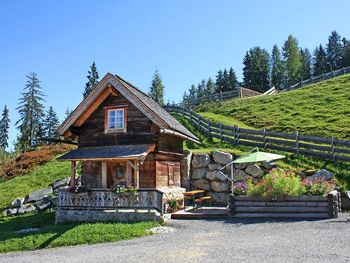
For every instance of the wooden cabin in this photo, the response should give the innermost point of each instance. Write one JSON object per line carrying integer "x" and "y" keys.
{"x": 124, "y": 139}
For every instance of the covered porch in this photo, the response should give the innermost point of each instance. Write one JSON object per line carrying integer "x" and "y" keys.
{"x": 110, "y": 181}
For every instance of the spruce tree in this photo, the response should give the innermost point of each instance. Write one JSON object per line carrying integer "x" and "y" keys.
{"x": 256, "y": 69}
{"x": 157, "y": 89}
{"x": 92, "y": 80}
{"x": 67, "y": 113}
{"x": 201, "y": 90}
{"x": 31, "y": 112}
{"x": 4, "y": 129}
{"x": 225, "y": 81}
{"x": 232, "y": 79}
{"x": 305, "y": 64}
{"x": 51, "y": 123}
{"x": 320, "y": 61}
{"x": 277, "y": 68}
{"x": 185, "y": 99}
{"x": 292, "y": 61}
{"x": 220, "y": 82}
{"x": 209, "y": 87}
{"x": 192, "y": 94}
{"x": 334, "y": 50}
{"x": 346, "y": 53}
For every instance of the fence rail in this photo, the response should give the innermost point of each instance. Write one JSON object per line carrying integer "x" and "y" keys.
{"x": 322, "y": 77}
{"x": 328, "y": 148}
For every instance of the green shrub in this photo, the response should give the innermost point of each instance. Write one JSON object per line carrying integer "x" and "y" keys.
{"x": 277, "y": 184}
{"x": 318, "y": 186}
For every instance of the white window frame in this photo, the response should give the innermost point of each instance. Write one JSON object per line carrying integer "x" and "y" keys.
{"x": 108, "y": 119}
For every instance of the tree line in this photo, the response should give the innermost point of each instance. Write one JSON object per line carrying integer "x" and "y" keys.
{"x": 282, "y": 68}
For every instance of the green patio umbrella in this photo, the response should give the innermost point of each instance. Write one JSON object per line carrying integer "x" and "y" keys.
{"x": 258, "y": 156}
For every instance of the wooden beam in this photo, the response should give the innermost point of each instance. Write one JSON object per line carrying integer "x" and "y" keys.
{"x": 137, "y": 174}
{"x": 72, "y": 175}
{"x": 104, "y": 174}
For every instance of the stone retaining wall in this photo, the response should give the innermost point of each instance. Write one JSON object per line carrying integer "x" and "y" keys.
{"x": 202, "y": 171}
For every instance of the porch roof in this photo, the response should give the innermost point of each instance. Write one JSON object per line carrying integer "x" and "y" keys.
{"x": 117, "y": 152}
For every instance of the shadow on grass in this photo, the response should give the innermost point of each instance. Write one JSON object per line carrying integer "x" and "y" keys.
{"x": 44, "y": 221}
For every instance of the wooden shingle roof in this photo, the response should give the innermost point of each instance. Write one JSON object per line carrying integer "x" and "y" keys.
{"x": 139, "y": 99}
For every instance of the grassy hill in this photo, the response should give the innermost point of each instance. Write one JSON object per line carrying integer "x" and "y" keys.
{"x": 321, "y": 109}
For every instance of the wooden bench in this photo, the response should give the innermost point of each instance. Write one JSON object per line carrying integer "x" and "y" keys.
{"x": 199, "y": 201}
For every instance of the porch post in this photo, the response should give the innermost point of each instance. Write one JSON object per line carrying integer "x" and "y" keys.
{"x": 104, "y": 174}
{"x": 72, "y": 173}
{"x": 137, "y": 174}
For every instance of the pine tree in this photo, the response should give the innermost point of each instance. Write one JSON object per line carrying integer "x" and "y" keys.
{"x": 232, "y": 79}
{"x": 292, "y": 61}
{"x": 31, "y": 111}
{"x": 51, "y": 123}
{"x": 220, "y": 82}
{"x": 157, "y": 89}
{"x": 92, "y": 80}
{"x": 201, "y": 90}
{"x": 256, "y": 69}
{"x": 305, "y": 64}
{"x": 185, "y": 99}
{"x": 67, "y": 113}
{"x": 277, "y": 68}
{"x": 209, "y": 87}
{"x": 225, "y": 81}
{"x": 334, "y": 50}
{"x": 320, "y": 61}
{"x": 4, "y": 128}
{"x": 192, "y": 94}
{"x": 346, "y": 53}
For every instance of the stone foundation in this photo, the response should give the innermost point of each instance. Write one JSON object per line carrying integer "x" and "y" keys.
{"x": 121, "y": 215}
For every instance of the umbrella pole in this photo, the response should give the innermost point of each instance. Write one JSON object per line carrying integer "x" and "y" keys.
{"x": 232, "y": 178}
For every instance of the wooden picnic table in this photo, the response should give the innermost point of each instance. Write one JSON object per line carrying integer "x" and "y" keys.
{"x": 190, "y": 195}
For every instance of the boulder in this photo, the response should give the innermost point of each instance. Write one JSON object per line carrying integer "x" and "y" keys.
{"x": 219, "y": 186}
{"x": 222, "y": 157}
{"x": 185, "y": 169}
{"x": 219, "y": 198}
{"x": 199, "y": 173}
{"x": 254, "y": 170}
{"x": 26, "y": 208}
{"x": 200, "y": 160}
{"x": 213, "y": 166}
{"x": 10, "y": 212}
{"x": 201, "y": 184}
{"x": 17, "y": 202}
{"x": 43, "y": 204}
{"x": 242, "y": 166}
{"x": 60, "y": 183}
{"x": 38, "y": 195}
{"x": 239, "y": 175}
{"x": 216, "y": 176}
{"x": 327, "y": 175}
{"x": 267, "y": 165}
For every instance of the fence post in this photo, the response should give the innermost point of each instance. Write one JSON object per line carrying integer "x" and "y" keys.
{"x": 333, "y": 148}
{"x": 297, "y": 142}
{"x": 220, "y": 95}
{"x": 191, "y": 116}
{"x": 333, "y": 73}
{"x": 322, "y": 76}
{"x": 264, "y": 137}
{"x": 209, "y": 129}
{"x": 343, "y": 70}
{"x": 237, "y": 136}
{"x": 221, "y": 132}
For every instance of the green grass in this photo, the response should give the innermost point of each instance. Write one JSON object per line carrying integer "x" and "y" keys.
{"x": 321, "y": 109}
{"x": 40, "y": 177}
{"x": 227, "y": 120}
{"x": 51, "y": 235}
{"x": 293, "y": 162}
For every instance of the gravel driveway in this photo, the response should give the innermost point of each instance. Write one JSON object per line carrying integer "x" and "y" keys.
{"x": 229, "y": 240}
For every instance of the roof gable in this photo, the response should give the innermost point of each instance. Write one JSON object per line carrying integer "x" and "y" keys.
{"x": 112, "y": 84}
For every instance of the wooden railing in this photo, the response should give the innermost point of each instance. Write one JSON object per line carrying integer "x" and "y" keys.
{"x": 329, "y": 148}
{"x": 319, "y": 78}
{"x": 107, "y": 199}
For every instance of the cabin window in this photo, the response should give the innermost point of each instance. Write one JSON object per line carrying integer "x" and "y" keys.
{"x": 115, "y": 120}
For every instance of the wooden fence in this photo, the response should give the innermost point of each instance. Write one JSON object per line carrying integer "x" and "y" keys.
{"x": 319, "y": 78}
{"x": 239, "y": 92}
{"x": 328, "y": 148}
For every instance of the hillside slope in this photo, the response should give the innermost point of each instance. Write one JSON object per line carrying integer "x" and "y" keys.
{"x": 321, "y": 109}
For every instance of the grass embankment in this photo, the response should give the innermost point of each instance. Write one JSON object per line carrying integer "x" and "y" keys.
{"x": 321, "y": 109}
{"x": 293, "y": 162}
{"x": 40, "y": 177}
{"x": 51, "y": 235}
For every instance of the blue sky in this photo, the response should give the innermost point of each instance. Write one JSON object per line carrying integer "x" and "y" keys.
{"x": 185, "y": 40}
